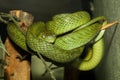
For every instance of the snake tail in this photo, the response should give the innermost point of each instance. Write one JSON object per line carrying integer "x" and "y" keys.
{"x": 92, "y": 58}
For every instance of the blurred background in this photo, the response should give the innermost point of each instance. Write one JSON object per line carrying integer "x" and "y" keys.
{"x": 43, "y": 10}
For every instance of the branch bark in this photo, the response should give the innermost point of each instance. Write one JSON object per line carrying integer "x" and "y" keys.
{"x": 18, "y": 70}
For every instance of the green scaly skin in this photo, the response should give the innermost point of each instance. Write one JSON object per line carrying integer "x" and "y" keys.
{"x": 63, "y": 46}
{"x": 47, "y": 49}
{"x": 17, "y": 36}
{"x": 94, "y": 56}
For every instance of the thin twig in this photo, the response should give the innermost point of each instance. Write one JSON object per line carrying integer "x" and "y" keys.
{"x": 16, "y": 23}
{"x": 109, "y": 25}
{"x": 10, "y": 17}
{"x": 2, "y": 20}
{"x": 49, "y": 70}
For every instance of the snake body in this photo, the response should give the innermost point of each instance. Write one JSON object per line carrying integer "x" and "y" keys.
{"x": 16, "y": 36}
{"x": 93, "y": 58}
{"x": 60, "y": 39}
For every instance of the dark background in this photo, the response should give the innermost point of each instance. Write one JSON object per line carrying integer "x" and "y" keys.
{"x": 43, "y": 9}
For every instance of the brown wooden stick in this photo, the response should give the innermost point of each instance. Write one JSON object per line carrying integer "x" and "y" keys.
{"x": 109, "y": 25}
{"x": 16, "y": 69}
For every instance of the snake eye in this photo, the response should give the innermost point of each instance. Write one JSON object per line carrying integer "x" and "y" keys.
{"x": 50, "y": 38}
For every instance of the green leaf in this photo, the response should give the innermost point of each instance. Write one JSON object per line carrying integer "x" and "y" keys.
{"x": 2, "y": 47}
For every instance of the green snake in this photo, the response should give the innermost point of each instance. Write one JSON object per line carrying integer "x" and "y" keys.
{"x": 63, "y": 39}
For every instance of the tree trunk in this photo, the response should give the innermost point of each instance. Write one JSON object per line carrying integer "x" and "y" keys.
{"x": 71, "y": 73}
{"x": 16, "y": 69}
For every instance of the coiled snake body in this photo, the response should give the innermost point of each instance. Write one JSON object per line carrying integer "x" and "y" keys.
{"x": 63, "y": 38}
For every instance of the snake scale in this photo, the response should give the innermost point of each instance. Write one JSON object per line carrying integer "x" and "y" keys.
{"x": 63, "y": 39}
